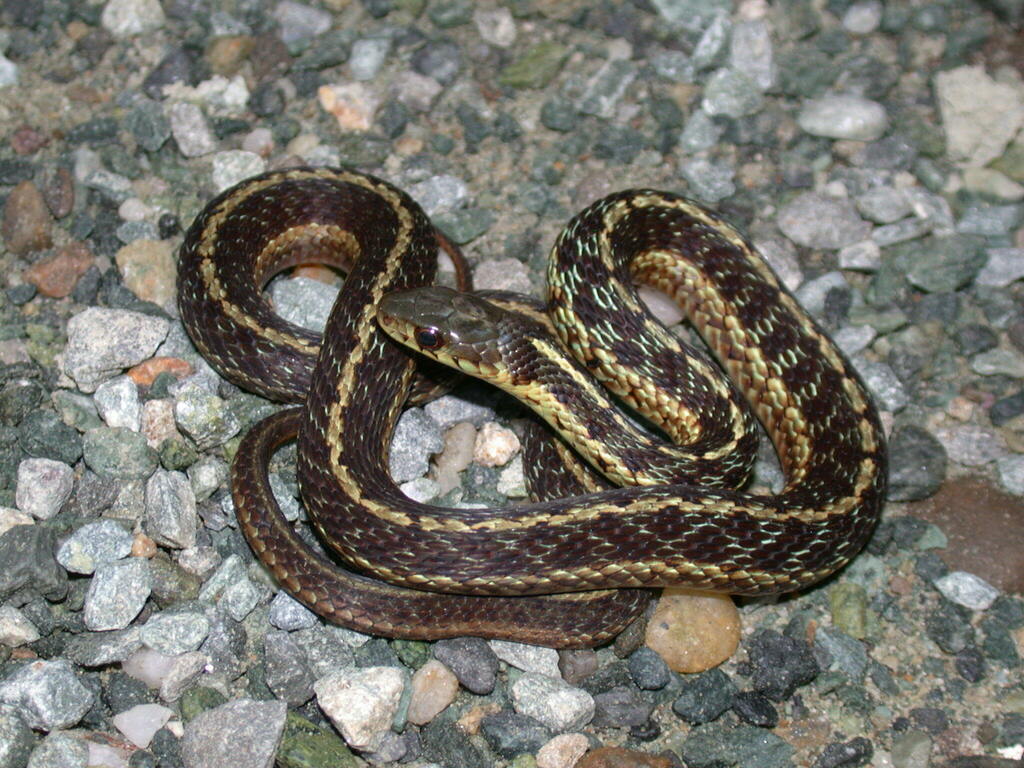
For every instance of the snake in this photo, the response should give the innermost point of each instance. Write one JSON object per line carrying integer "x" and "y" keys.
{"x": 565, "y": 572}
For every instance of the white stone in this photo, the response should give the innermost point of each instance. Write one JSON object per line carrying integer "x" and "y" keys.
{"x": 967, "y": 590}
{"x": 980, "y": 114}
{"x": 844, "y": 117}
{"x": 15, "y": 628}
{"x": 141, "y": 722}
{"x": 125, "y": 18}
{"x": 43, "y": 487}
{"x": 552, "y": 701}
{"x": 529, "y": 658}
{"x": 361, "y": 703}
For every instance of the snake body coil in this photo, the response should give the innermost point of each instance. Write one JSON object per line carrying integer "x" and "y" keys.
{"x": 813, "y": 405}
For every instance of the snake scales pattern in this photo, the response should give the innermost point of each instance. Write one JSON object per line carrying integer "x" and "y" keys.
{"x": 427, "y": 572}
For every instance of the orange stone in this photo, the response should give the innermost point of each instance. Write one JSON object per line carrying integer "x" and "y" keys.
{"x": 56, "y": 276}
{"x": 693, "y": 631}
{"x": 619, "y": 757}
{"x": 145, "y": 372}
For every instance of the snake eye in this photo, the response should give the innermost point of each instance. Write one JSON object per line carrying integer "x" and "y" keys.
{"x": 429, "y": 338}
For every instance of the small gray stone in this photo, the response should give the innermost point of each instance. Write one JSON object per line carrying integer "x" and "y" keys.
{"x": 43, "y": 487}
{"x": 300, "y": 22}
{"x": 700, "y": 132}
{"x": 117, "y": 593}
{"x": 848, "y": 654}
{"x": 971, "y": 445}
{"x": 47, "y": 694}
{"x": 231, "y": 588}
{"x": 708, "y": 180}
{"x": 190, "y": 130}
{"x": 361, "y": 703}
{"x": 27, "y": 561}
{"x": 118, "y": 454}
{"x": 648, "y": 670}
{"x": 750, "y": 52}
{"x": 731, "y": 94}
{"x": 844, "y": 117}
{"x": 171, "y": 517}
{"x": 94, "y": 544}
{"x": 16, "y": 739}
{"x": 968, "y": 590}
{"x": 98, "y": 649}
{"x": 1011, "y": 473}
{"x": 999, "y": 362}
{"x": 863, "y": 18}
{"x": 103, "y": 342}
{"x": 816, "y": 220}
{"x": 886, "y": 387}
{"x": 883, "y": 205}
{"x": 185, "y": 670}
{"x": 1003, "y": 267}
{"x": 471, "y": 660}
{"x": 202, "y": 416}
{"x": 917, "y": 463}
{"x": 812, "y": 294}
{"x": 15, "y": 628}
{"x": 206, "y": 476}
{"x": 215, "y": 738}
{"x": 175, "y": 633}
{"x": 60, "y": 750}
{"x": 304, "y": 301}
{"x": 289, "y": 614}
{"x": 607, "y": 87}
{"x": 235, "y": 165}
{"x": 711, "y": 46}
{"x": 451, "y": 409}
{"x": 901, "y": 231}
{"x": 529, "y": 658}
{"x": 417, "y": 437}
{"x": 865, "y": 256}
{"x": 288, "y": 672}
{"x": 440, "y": 194}
{"x": 368, "y": 56}
{"x": 118, "y": 403}
{"x": 127, "y": 18}
{"x": 552, "y": 701}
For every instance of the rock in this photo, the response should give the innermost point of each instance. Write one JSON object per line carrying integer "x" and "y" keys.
{"x": 529, "y": 658}
{"x": 361, "y": 703}
{"x": 43, "y": 487}
{"x": 553, "y": 702}
{"x": 240, "y": 734}
{"x": 510, "y": 733}
{"x": 563, "y": 751}
{"x": 817, "y": 220}
{"x": 619, "y": 757}
{"x": 495, "y": 445}
{"x": 693, "y": 631}
{"x": 47, "y": 694}
{"x": 175, "y": 633}
{"x": 472, "y": 662}
{"x": 171, "y": 517}
{"x": 94, "y": 544}
{"x": 917, "y": 464}
{"x": 434, "y": 687}
{"x": 102, "y": 342}
{"x": 141, "y": 722}
{"x": 704, "y": 697}
{"x": 118, "y": 404}
{"x": 980, "y": 115}
{"x": 26, "y": 220}
{"x": 844, "y": 117}
{"x": 126, "y": 18}
{"x": 60, "y": 750}
{"x": 781, "y": 664}
{"x": 26, "y": 560}
{"x": 16, "y": 739}
{"x": 148, "y": 268}
{"x": 15, "y": 628}
{"x": 56, "y": 276}
{"x": 117, "y": 593}
{"x": 967, "y": 590}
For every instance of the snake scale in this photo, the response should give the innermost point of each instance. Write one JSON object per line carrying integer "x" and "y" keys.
{"x": 561, "y": 572}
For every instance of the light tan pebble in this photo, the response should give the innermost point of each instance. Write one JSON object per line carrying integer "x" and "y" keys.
{"x": 260, "y": 141}
{"x": 495, "y": 445}
{"x": 662, "y": 305}
{"x": 10, "y": 517}
{"x": 409, "y": 145}
{"x": 456, "y": 456}
{"x": 563, "y": 751}
{"x": 434, "y": 687}
{"x": 157, "y": 423}
{"x": 469, "y": 723}
{"x": 149, "y": 270}
{"x": 693, "y": 631}
{"x": 134, "y": 209}
{"x": 352, "y": 104}
{"x": 143, "y": 546}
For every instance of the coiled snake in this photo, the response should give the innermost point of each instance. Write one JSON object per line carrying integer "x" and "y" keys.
{"x": 420, "y": 571}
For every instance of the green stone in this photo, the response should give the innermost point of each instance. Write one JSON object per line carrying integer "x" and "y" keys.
{"x": 1012, "y": 161}
{"x": 117, "y": 453}
{"x": 199, "y": 699}
{"x": 455, "y": 13}
{"x": 849, "y": 605}
{"x": 306, "y": 745}
{"x": 413, "y": 653}
{"x": 536, "y": 68}
{"x": 177, "y": 453}
{"x": 465, "y": 225}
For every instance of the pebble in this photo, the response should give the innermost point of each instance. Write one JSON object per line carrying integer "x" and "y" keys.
{"x": 472, "y": 662}
{"x": 148, "y": 268}
{"x": 175, "y": 633}
{"x": 190, "y": 130}
{"x": 621, "y": 707}
{"x": 781, "y": 664}
{"x": 94, "y": 544}
{"x": 98, "y": 649}
{"x": 510, "y": 733}
{"x": 606, "y": 88}
{"x": 693, "y": 631}
{"x": 417, "y": 436}
{"x": 60, "y": 750}
{"x": 970, "y": 445}
{"x": 751, "y": 707}
{"x": 140, "y": 723}
{"x": 202, "y": 416}
{"x": 495, "y": 26}
{"x": 704, "y": 697}
{"x": 300, "y": 22}
{"x": 843, "y": 117}
{"x": 563, "y": 751}
{"x": 127, "y": 18}
{"x": 47, "y": 694}
{"x": 999, "y": 362}
{"x": 552, "y": 701}
{"x": 231, "y": 588}
{"x": 980, "y": 115}
{"x": 56, "y": 276}
{"x": 288, "y": 672}
{"x": 863, "y": 18}
{"x": 304, "y": 301}
{"x": 146, "y": 372}
{"x": 368, "y": 56}
{"x": 967, "y": 590}
{"x": 730, "y": 93}
{"x": 816, "y": 220}
{"x": 118, "y": 454}
{"x": 212, "y": 738}
{"x": 865, "y": 256}
{"x": 15, "y": 628}
{"x": 529, "y": 658}
{"x": 102, "y": 342}
{"x": 911, "y": 749}
{"x": 1011, "y": 473}
{"x": 230, "y": 167}
{"x": 289, "y": 614}
{"x": 1002, "y": 267}
{"x": 26, "y": 222}
{"x": 352, "y": 104}
{"x": 619, "y": 757}
{"x": 451, "y": 409}
{"x": 746, "y": 745}
{"x": 990, "y": 183}
{"x": 118, "y": 404}
{"x": 117, "y": 592}
{"x": 495, "y": 445}
{"x": 361, "y": 703}
{"x": 536, "y": 67}
{"x": 848, "y": 654}
{"x": 43, "y": 487}
{"x": 434, "y": 687}
{"x": 648, "y": 670}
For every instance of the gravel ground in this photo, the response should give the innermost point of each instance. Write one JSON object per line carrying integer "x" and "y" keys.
{"x": 872, "y": 150}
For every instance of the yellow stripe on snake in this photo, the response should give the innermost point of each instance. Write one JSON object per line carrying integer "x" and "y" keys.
{"x": 561, "y": 572}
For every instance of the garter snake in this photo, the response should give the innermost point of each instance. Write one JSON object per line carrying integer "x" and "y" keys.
{"x": 427, "y": 571}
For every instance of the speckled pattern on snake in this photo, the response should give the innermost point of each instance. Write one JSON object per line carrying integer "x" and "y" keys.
{"x": 562, "y": 572}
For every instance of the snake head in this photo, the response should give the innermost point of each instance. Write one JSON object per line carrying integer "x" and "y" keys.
{"x": 458, "y": 329}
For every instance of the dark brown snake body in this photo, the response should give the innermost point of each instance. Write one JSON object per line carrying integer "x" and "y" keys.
{"x": 813, "y": 405}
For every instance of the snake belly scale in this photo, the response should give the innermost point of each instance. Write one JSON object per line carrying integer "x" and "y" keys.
{"x": 416, "y": 570}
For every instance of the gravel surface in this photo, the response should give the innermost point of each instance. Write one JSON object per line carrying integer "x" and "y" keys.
{"x": 872, "y": 150}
